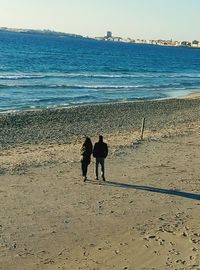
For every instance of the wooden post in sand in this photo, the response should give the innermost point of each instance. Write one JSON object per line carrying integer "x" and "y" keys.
{"x": 142, "y": 128}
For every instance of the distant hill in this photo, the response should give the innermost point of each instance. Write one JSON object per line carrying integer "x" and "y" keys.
{"x": 41, "y": 32}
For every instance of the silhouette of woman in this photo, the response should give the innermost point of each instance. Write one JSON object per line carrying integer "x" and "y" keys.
{"x": 86, "y": 151}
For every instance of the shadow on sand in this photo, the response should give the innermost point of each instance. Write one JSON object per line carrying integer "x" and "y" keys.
{"x": 172, "y": 192}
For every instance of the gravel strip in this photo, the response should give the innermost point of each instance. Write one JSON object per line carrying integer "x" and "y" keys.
{"x": 67, "y": 124}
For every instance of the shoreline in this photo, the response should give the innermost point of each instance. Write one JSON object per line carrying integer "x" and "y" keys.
{"x": 192, "y": 94}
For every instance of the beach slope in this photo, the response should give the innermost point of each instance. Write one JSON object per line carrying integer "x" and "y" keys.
{"x": 145, "y": 216}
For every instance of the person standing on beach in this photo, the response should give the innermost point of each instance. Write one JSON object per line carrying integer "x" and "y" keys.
{"x": 100, "y": 152}
{"x": 86, "y": 152}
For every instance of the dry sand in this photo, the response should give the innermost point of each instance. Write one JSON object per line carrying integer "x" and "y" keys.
{"x": 146, "y": 216}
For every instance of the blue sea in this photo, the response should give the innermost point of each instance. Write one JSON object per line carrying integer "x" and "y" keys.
{"x": 45, "y": 71}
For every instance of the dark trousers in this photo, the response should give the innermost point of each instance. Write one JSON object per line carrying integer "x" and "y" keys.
{"x": 101, "y": 162}
{"x": 84, "y": 167}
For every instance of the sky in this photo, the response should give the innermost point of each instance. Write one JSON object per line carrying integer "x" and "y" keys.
{"x": 150, "y": 19}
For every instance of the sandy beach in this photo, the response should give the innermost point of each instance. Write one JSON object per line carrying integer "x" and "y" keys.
{"x": 145, "y": 216}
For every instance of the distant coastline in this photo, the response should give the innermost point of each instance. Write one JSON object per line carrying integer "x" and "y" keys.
{"x": 41, "y": 32}
{"x": 195, "y": 44}
{"x": 159, "y": 42}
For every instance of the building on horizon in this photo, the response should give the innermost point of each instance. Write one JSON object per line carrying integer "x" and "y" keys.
{"x": 109, "y": 34}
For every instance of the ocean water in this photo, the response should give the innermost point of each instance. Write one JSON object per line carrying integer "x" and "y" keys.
{"x": 43, "y": 71}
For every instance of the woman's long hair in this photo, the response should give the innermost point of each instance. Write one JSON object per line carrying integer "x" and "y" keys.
{"x": 87, "y": 142}
{"x": 87, "y": 147}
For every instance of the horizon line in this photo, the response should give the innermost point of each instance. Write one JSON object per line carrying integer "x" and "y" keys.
{"x": 84, "y": 36}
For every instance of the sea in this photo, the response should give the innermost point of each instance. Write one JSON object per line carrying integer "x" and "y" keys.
{"x": 48, "y": 71}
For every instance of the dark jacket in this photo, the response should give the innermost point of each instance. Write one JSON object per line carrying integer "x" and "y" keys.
{"x": 100, "y": 150}
{"x": 86, "y": 152}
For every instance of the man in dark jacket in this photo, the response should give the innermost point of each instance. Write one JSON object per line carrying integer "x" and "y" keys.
{"x": 100, "y": 152}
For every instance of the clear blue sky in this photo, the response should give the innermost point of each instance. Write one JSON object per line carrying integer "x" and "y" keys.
{"x": 177, "y": 19}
